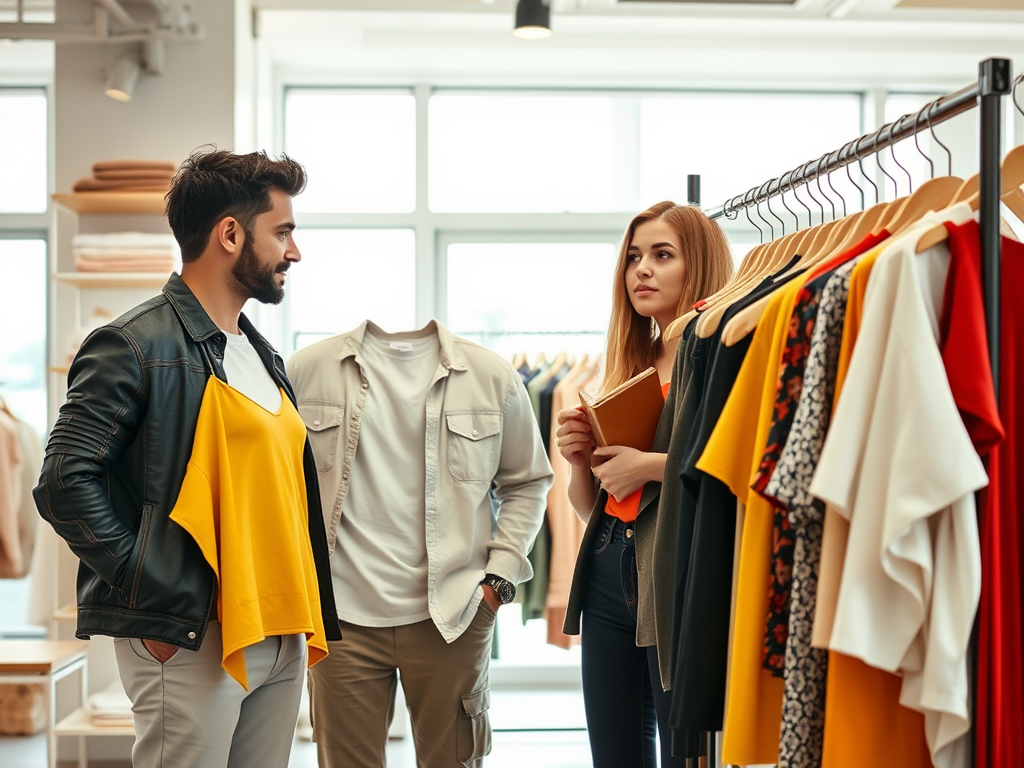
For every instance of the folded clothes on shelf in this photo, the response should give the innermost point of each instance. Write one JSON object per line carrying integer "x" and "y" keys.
{"x": 134, "y": 240}
{"x": 110, "y": 707}
{"x": 166, "y": 265}
{"x": 128, "y": 175}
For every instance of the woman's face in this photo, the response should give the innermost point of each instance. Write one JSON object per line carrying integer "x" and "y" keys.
{"x": 655, "y": 271}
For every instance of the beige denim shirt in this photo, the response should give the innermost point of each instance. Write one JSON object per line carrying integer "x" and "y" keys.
{"x": 480, "y": 431}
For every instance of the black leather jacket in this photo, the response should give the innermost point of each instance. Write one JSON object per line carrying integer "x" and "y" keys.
{"x": 115, "y": 462}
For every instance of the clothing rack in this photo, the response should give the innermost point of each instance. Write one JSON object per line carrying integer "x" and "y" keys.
{"x": 994, "y": 82}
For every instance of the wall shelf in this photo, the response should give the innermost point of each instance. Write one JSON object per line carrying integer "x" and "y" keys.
{"x": 113, "y": 203}
{"x": 112, "y": 279}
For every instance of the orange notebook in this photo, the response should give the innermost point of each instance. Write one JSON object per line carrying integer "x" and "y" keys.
{"x": 628, "y": 415}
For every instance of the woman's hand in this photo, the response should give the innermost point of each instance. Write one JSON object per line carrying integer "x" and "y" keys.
{"x": 573, "y": 437}
{"x": 623, "y": 470}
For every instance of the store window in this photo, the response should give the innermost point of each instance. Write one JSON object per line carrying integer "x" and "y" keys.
{"x": 530, "y": 153}
{"x": 23, "y": 136}
{"x": 531, "y": 297}
{"x": 711, "y": 135}
{"x": 358, "y": 147}
{"x": 22, "y": 375}
{"x": 347, "y": 276}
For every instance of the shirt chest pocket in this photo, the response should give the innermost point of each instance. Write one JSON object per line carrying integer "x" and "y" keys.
{"x": 474, "y": 445}
{"x": 323, "y": 425}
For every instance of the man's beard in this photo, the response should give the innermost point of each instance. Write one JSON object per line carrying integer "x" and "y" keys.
{"x": 259, "y": 280}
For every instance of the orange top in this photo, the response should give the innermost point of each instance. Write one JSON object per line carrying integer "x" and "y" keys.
{"x": 627, "y": 509}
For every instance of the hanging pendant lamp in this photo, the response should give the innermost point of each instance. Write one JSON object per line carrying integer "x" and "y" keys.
{"x": 533, "y": 19}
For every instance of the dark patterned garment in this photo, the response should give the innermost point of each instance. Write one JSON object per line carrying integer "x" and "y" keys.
{"x": 806, "y": 668}
{"x": 787, "y": 396}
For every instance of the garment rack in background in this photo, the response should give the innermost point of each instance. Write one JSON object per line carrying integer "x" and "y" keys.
{"x": 994, "y": 82}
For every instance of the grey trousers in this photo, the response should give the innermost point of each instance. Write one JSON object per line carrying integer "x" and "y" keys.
{"x": 190, "y": 712}
{"x": 446, "y": 686}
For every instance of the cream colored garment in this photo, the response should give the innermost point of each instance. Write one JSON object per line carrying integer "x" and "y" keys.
{"x": 12, "y": 564}
{"x": 564, "y": 524}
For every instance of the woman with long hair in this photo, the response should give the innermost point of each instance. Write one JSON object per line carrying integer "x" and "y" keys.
{"x": 671, "y": 256}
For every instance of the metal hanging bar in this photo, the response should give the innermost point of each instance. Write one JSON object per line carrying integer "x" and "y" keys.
{"x": 940, "y": 110}
{"x": 993, "y": 84}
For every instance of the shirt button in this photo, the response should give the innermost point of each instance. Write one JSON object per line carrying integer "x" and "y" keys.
{"x": 191, "y": 635}
{"x": 365, "y": 386}
{"x": 316, "y": 422}
{"x": 475, "y": 433}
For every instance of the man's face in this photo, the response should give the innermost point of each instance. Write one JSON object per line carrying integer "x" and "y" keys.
{"x": 268, "y": 251}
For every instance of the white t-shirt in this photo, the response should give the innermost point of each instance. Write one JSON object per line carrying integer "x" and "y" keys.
{"x": 899, "y": 465}
{"x": 247, "y": 374}
{"x": 380, "y": 559}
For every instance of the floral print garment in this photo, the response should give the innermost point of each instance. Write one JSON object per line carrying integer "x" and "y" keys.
{"x": 805, "y": 669}
{"x": 787, "y": 397}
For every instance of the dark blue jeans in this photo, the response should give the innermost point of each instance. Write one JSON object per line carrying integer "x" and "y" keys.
{"x": 626, "y": 708}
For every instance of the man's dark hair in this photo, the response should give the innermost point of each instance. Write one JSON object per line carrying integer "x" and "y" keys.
{"x": 214, "y": 183}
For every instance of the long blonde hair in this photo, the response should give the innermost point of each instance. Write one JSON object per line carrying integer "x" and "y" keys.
{"x": 633, "y": 340}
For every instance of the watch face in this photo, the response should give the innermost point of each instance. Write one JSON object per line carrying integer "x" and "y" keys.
{"x": 506, "y": 592}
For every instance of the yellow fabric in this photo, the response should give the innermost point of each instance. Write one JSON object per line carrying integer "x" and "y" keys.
{"x": 753, "y": 713}
{"x": 863, "y": 715}
{"x": 243, "y": 500}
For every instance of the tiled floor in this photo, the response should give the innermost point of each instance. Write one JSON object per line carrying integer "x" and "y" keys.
{"x": 513, "y": 747}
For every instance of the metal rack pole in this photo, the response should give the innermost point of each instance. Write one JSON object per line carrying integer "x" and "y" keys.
{"x": 993, "y": 84}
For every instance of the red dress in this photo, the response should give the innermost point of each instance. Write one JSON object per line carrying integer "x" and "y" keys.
{"x": 997, "y": 431}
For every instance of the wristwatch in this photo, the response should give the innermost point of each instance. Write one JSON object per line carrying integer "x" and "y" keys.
{"x": 503, "y": 588}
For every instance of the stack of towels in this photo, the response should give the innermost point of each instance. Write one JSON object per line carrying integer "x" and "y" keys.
{"x": 126, "y": 252}
{"x": 110, "y": 707}
{"x": 128, "y": 176}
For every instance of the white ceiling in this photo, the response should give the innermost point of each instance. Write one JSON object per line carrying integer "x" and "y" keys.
{"x": 863, "y": 43}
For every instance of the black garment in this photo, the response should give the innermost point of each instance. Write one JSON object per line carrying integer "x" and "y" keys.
{"x": 116, "y": 459}
{"x": 704, "y": 590}
{"x": 620, "y": 680}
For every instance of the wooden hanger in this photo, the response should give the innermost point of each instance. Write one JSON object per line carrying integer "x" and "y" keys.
{"x": 968, "y": 188}
{"x": 1011, "y": 179}
{"x": 1014, "y": 200}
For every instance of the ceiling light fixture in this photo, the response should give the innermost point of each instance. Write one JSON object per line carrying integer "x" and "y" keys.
{"x": 122, "y": 77}
{"x": 533, "y": 19}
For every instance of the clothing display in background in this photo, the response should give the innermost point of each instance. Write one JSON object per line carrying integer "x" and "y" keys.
{"x": 126, "y": 252}
{"x": 128, "y": 176}
{"x": 21, "y": 456}
{"x": 564, "y": 524}
{"x": 553, "y": 386}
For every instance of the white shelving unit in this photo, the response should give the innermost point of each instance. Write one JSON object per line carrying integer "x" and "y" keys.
{"x": 73, "y": 297}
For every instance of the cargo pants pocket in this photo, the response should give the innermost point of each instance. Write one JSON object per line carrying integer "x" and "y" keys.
{"x": 474, "y": 736}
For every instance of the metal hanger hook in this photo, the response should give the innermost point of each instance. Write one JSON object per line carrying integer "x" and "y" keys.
{"x": 931, "y": 165}
{"x": 746, "y": 212}
{"x": 1013, "y": 92}
{"x": 842, "y": 200}
{"x": 768, "y": 202}
{"x": 935, "y": 138}
{"x": 793, "y": 187}
{"x": 817, "y": 183}
{"x": 782, "y": 196}
{"x": 892, "y": 151}
{"x": 757, "y": 205}
{"x": 860, "y": 164}
{"x": 846, "y": 150}
{"x": 810, "y": 193}
{"x": 878, "y": 161}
